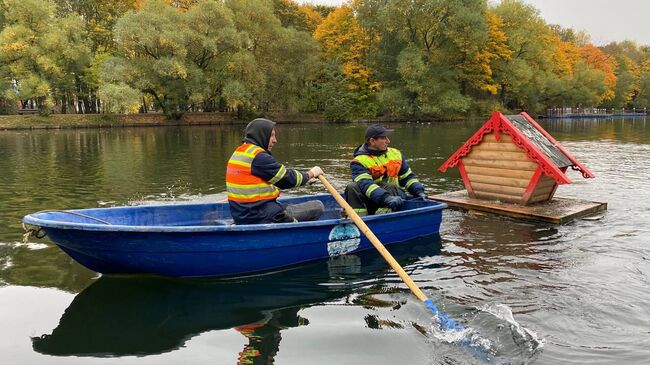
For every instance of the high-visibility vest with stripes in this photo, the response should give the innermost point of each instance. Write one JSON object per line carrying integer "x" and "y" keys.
{"x": 384, "y": 169}
{"x": 242, "y": 186}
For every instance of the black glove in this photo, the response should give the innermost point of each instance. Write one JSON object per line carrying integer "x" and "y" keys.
{"x": 393, "y": 202}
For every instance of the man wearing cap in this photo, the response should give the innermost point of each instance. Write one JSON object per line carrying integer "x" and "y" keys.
{"x": 379, "y": 174}
{"x": 254, "y": 180}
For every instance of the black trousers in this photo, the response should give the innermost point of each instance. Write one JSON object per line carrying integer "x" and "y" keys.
{"x": 301, "y": 212}
{"x": 364, "y": 205}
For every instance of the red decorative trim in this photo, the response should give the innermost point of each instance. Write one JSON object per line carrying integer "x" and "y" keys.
{"x": 531, "y": 186}
{"x": 474, "y": 140}
{"x": 468, "y": 184}
{"x": 577, "y": 165}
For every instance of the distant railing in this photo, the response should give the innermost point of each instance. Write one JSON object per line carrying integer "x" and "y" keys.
{"x": 586, "y": 112}
{"x": 28, "y": 111}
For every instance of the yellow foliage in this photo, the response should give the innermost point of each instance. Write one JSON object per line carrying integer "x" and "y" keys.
{"x": 477, "y": 67}
{"x": 565, "y": 55}
{"x": 342, "y": 37}
{"x": 314, "y": 18}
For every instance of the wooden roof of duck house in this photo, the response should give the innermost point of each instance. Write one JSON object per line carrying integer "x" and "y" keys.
{"x": 511, "y": 158}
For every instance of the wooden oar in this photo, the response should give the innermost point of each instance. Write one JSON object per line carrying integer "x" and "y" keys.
{"x": 445, "y": 322}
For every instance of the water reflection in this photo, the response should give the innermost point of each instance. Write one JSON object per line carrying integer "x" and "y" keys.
{"x": 142, "y": 315}
{"x": 488, "y": 254}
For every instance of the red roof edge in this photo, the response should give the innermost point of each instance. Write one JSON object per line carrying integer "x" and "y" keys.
{"x": 576, "y": 164}
{"x": 545, "y": 163}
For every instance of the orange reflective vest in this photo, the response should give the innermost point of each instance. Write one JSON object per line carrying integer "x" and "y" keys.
{"x": 242, "y": 186}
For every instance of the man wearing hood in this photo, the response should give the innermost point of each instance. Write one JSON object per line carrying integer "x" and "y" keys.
{"x": 254, "y": 180}
{"x": 379, "y": 174}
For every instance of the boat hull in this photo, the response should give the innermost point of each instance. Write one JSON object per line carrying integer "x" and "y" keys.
{"x": 218, "y": 249}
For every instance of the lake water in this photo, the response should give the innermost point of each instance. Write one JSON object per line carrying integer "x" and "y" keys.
{"x": 535, "y": 293}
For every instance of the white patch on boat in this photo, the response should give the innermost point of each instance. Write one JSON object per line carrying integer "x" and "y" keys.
{"x": 343, "y": 238}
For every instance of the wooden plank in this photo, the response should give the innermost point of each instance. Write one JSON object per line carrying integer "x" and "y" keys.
{"x": 542, "y": 190}
{"x": 503, "y": 138}
{"x": 494, "y": 146}
{"x": 490, "y": 171}
{"x": 495, "y": 180}
{"x": 499, "y": 156}
{"x": 545, "y": 183}
{"x": 539, "y": 198}
{"x": 496, "y": 196}
{"x": 499, "y": 189}
{"x": 515, "y": 165}
{"x": 558, "y": 210}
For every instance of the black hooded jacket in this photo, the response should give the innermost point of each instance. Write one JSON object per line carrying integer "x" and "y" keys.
{"x": 264, "y": 166}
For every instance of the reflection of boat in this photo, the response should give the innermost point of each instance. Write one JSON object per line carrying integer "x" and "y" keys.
{"x": 139, "y": 315}
{"x": 200, "y": 239}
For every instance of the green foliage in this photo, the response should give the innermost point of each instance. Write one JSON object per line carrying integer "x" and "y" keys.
{"x": 119, "y": 98}
{"x": 643, "y": 98}
{"x": 432, "y": 58}
{"x": 280, "y": 62}
{"x": 44, "y": 55}
{"x": 177, "y": 58}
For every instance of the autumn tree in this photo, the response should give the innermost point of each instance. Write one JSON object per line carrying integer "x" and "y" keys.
{"x": 347, "y": 44}
{"x": 300, "y": 17}
{"x": 477, "y": 78}
{"x": 599, "y": 60}
{"x": 522, "y": 77}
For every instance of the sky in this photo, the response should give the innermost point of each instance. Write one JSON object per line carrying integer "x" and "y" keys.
{"x": 604, "y": 20}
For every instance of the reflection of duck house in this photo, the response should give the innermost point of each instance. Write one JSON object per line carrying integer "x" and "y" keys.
{"x": 512, "y": 159}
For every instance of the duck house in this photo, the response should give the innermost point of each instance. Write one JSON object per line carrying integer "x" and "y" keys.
{"x": 512, "y": 159}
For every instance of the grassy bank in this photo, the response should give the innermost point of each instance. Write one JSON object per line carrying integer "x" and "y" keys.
{"x": 62, "y": 121}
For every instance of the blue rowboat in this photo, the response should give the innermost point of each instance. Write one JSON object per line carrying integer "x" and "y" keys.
{"x": 194, "y": 240}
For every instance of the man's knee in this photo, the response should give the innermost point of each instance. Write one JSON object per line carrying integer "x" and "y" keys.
{"x": 308, "y": 211}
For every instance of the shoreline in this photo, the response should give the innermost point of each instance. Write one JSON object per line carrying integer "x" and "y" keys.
{"x": 82, "y": 121}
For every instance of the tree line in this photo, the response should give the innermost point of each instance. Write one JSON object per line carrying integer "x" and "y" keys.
{"x": 361, "y": 60}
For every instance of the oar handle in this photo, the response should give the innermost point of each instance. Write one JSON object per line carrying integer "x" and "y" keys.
{"x": 374, "y": 240}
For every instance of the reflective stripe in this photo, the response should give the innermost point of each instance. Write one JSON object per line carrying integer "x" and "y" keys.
{"x": 256, "y": 189}
{"x": 252, "y": 149}
{"x": 407, "y": 173}
{"x": 242, "y": 186}
{"x": 298, "y": 178}
{"x": 244, "y": 159}
{"x": 362, "y": 176}
{"x": 383, "y": 210}
{"x": 370, "y": 189}
{"x": 411, "y": 182}
{"x": 280, "y": 174}
{"x": 240, "y": 163}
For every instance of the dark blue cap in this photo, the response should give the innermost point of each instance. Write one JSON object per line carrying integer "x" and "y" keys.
{"x": 377, "y": 130}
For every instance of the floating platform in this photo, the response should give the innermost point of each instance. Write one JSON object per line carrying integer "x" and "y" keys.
{"x": 558, "y": 210}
